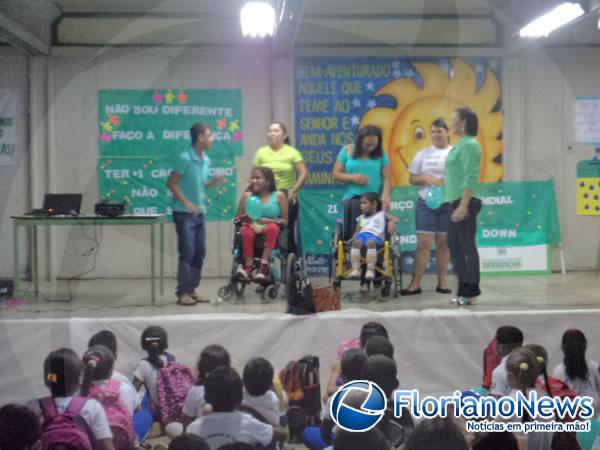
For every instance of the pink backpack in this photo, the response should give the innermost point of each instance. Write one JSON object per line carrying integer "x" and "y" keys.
{"x": 117, "y": 414}
{"x": 173, "y": 383}
{"x": 347, "y": 345}
{"x": 67, "y": 430}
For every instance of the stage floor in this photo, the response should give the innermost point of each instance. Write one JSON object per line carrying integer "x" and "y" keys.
{"x": 131, "y": 297}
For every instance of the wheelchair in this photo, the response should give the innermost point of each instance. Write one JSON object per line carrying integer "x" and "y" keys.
{"x": 388, "y": 277}
{"x": 286, "y": 269}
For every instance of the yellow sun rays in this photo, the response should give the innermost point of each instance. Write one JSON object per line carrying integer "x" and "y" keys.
{"x": 406, "y": 128}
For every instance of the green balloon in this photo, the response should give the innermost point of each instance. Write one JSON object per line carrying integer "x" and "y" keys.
{"x": 434, "y": 197}
{"x": 254, "y": 207}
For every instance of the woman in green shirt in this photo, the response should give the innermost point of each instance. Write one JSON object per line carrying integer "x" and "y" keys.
{"x": 461, "y": 186}
{"x": 289, "y": 169}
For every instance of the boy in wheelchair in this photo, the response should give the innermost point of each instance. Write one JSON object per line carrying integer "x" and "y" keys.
{"x": 261, "y": 211}
{"x": 370, "y": 233}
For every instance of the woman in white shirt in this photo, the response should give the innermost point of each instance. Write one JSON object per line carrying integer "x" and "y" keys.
{"x": 427, "y": 171}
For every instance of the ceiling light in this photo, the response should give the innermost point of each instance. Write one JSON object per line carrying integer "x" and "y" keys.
{"x": 559, "y": 16}
{"x": 258, "y": 19}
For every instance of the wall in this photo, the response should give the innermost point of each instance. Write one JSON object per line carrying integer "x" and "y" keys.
{"x": 14, "y": 186}
{"x": 539, "y": 90}
{"x": 74, "y": 80}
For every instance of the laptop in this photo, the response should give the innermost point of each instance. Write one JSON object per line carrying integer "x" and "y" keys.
{"x": 60, "y": 204}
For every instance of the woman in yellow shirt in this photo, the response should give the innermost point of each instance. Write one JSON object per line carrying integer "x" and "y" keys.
{"x": 289, "y": 169}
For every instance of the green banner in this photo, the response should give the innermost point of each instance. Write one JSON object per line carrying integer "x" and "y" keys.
{"x": 142, "y": 132}
{"x": 514, "y": 214}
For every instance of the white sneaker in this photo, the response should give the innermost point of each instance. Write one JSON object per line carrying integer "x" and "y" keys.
{"x": 462, "y": 301}
{"x": 355, "y": 274}
{"x": 370, "y": 275}
{"x": 242, "y": 273}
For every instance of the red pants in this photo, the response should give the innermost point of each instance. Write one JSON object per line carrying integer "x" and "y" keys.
{"x": 271, "y": 232}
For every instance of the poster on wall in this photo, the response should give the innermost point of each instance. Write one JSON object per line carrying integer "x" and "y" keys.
{"x": 514, "y": 215}
{"x": 8, "y": 132}
{"x": 142, "y": 132}
{"x": 587, "y": 120}
{"x": 335, "y": 97}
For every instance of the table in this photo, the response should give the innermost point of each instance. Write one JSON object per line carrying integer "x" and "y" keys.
{"x": 33, "y": 222}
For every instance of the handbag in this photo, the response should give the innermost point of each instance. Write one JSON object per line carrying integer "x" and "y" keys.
{"x": 326, "y": 298}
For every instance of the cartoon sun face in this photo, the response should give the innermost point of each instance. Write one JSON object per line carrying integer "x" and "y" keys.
{"x": 407, "y": 128}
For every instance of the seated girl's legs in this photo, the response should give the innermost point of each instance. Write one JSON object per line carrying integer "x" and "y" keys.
{"x": 357, "y": 244}
{"x": 371, "y": 259}
{"x": 271, "y": 232}
{"x": 248, "y": 237}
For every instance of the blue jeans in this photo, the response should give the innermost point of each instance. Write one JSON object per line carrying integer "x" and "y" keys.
{"x": 191, "y": 244}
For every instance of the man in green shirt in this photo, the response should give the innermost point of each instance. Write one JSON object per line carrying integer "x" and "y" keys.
{"x": 187, "y": 182}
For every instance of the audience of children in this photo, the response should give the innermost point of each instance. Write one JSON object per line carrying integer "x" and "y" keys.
{"x": 210, "y": 358}
{"x": 20, "y": 428}
{"x": 224, "y": 412}
{"x": 259, "y": 394}
{"x": 507, "y": 339}
{"x": 575, "y": 370}
{"x": 223, "y": 389}
{"x": 108, "y": 339}
{"x": 62, "y": 376}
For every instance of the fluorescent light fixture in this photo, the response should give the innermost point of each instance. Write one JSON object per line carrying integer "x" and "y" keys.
{"x": 559, "y": 16}
{"x": 258, "y": 19}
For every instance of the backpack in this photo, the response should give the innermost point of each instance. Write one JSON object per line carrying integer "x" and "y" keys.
{"x": 300, "y": 380}
{"x": 300, "y": 302}
{"x": 67, "y": 430}
{"x": 117, "y": 414}
{"x": 173, "y": 383}
{"x": 490, "y": 361}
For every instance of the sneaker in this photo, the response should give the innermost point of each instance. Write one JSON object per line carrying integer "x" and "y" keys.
{"x": 462, "y": 301}
{"x": 370, "y": 275}
{"x": 186, "y": 300}
{"x": 199, "y": 298}
{"x": 355, "y": 274}
{"x": 262, "y": 274}
{"x": 242, "y": 273}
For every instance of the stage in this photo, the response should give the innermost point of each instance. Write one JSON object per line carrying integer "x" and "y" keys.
{"x": 438, "y": 346}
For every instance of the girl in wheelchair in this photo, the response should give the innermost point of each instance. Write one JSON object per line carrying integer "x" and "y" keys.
{"x": 261, "y": 210}
{"x": 370, "y": 232}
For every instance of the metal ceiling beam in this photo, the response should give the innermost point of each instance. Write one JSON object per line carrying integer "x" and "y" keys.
{"x": 289, "y": 15}
{"x": 21, "y": 38}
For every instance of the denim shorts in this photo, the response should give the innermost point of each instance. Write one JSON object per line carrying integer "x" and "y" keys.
{"x": 365, "y": 237}
{"x": 432, "y": 221}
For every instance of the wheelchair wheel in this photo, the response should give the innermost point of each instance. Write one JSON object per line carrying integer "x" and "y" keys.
{"x": 226, "y": 292}
{"x": 272, "y": 292}
{"x": 238, "y": 289}
{"x": 291, "y": 282}
{"x": 385, "y": 291}
{"x": 397, "y": 276}
{"x": 333, "y": 258}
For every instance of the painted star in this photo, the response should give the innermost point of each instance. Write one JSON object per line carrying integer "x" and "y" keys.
{"x": 397, "y": 73}
{"x": 410, "y": 73}
{"x": 354, "y": 120}
{"x": 371, "y": 104}
{"x": 410, "y": 260}
{"x": 479, "y": 69}
{"x": 370, "y": 86}
{"x": 356, "y": 103}
{"x": 396, "y": 64}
